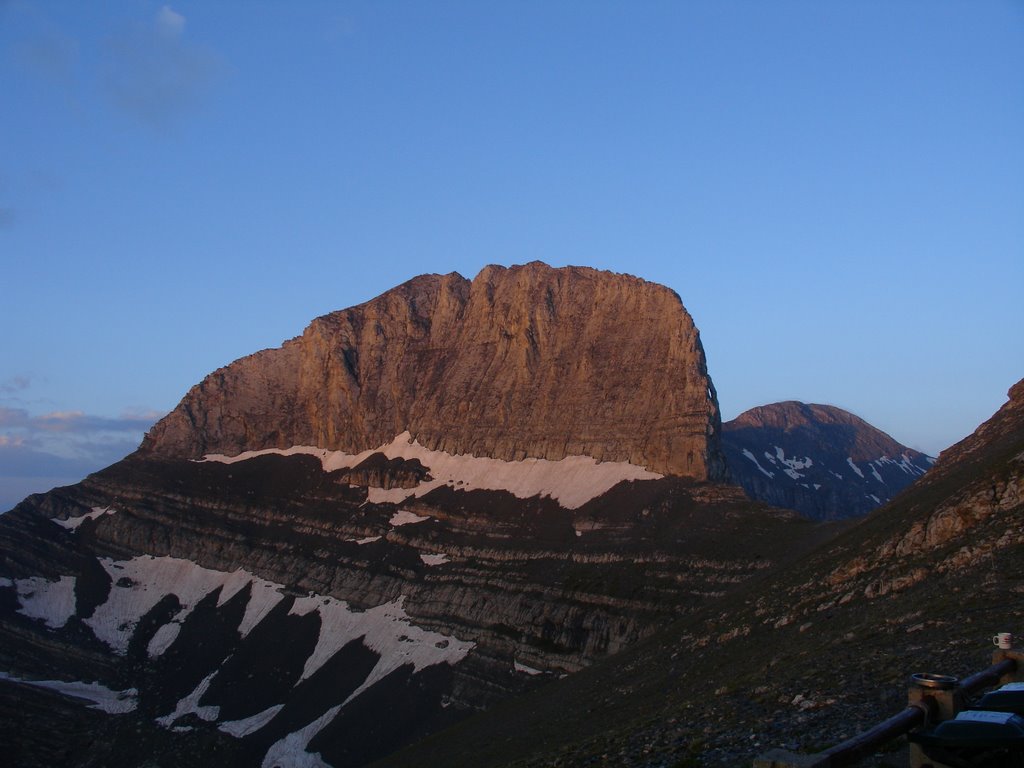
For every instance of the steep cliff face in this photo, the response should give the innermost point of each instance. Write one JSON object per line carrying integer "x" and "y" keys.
{"x": 511, "y": 365}
{"x": 818, "y": 460}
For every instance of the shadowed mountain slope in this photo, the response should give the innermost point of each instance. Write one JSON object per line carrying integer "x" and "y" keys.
{"x": 818, "y": 460}
{"x": 804, "y": 657}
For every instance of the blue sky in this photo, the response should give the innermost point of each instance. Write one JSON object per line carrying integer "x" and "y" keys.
{"x": 836, "y": 191}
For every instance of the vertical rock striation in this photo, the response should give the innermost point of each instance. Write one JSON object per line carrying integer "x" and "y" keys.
{"x": 527, "y": 361}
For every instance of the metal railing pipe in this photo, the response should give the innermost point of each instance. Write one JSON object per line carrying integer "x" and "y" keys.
{"x": 867, "y": 743}
{"x": 987, "y": 677}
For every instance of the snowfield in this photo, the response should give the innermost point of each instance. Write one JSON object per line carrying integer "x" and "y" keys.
{"x": 572, "y": 481}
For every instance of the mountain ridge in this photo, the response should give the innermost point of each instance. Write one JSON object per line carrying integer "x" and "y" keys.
{"x": 819, "y": 460}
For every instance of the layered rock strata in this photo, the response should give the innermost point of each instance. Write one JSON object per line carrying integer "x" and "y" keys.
{"x": 268, "y": 604}
{"x": 808, "y": 658}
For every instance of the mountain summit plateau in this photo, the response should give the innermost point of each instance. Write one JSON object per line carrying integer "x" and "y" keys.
{"x": 520, "y": 362}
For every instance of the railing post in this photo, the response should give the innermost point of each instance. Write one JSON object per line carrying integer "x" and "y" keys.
{"x": 940, "y": 698}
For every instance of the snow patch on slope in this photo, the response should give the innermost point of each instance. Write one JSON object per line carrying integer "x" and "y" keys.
{"x": 190, "y": 705}
{"x": 385, "y": 629}
{"x": 142, "y": 582}
{"x": 72, "y": 523}
{"x": 405, "y": 517}
{"x": 51, "y": 601}
{"x": 790, "y": 466}
{"x": 139, "y": 584}
{"x": 290, "y": 752}
{"x": 522, "y": 668}
{"x": 753, "y": 458}
{"x": 240, "y": 728}
{"x": 102, "y": 698}
{"x": 572, "y": 481}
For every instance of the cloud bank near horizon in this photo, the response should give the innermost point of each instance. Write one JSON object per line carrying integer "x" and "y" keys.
{"x": 40, "y": 452}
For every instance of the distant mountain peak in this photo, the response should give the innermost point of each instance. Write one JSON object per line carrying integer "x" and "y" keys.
{"x": 819, "y": 460}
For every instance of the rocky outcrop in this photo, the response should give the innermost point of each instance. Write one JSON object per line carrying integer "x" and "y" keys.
{"x": 378, "y": 471}
{"x": 527, "y": 361}
{"x": 818, "y": 460}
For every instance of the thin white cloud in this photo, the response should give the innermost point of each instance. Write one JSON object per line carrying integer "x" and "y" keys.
{"x": 50, "y": 443}
{"x": 170, "y": 23}
{"x": 40, "y": 451}
{"x": 153, "y": 73}
{"x": 13, "y": 417}
{"x": 14, "y": 384}
{"x": 143, "y": 415}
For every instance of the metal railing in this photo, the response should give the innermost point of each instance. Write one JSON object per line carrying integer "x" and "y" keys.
{"x": 932, "y": 699}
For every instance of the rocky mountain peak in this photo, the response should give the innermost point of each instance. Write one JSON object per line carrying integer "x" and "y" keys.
{"x": 819, "y": 460}
{"x": 861, "y": 440}
{"x": 1002, "y": 428}
{"x": 521, "y": 362}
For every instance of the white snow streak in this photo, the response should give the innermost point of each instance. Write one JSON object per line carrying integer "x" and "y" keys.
{"x": 753, "y": 458}
{"x": 854, "y": 467}
{"x": 140, "y": 583}
{"x": 385, "y": 629}
{"x": 518, "y": 667}
{"x": 265, "y": 595}
{"x": 190, "y": 705}
{"x": 791, "y": 465}
{"x": 405, "y": 517}
{"x": 102, "y": 698}
{"x": 163, "y": 638}
{"x": 434, "y": 559}
{"x": 290, "y": 752}
{"x": 73, "y": 522}
{"x": 572, "y": 481}
{"x": 240, "y": 728}
{"x": 411, "y": 645}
